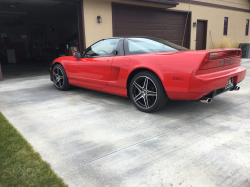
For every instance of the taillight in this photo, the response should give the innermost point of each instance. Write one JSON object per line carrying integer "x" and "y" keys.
{"x": 206, "y": 59}
{"x": 206, "y": 64}
{"x": 219, "y": 59}
{"x": 211, "y": 64}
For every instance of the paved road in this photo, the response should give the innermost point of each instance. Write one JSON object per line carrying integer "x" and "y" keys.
{"x": 97, "y": 139}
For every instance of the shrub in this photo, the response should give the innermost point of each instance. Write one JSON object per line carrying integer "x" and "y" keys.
{"x": 227, "y": 43}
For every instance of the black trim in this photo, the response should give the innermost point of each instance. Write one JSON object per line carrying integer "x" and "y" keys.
{"x": 120, "y": 48}
{"x": 214, "y": 93}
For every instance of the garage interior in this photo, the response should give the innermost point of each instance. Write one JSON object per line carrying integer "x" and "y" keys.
{"x": 34, "y": 33}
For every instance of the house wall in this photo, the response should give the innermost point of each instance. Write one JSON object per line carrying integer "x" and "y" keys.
{"x": 95, "y": 31}
{"x": 244, "y": 4}
{"x": 215, "y": 17}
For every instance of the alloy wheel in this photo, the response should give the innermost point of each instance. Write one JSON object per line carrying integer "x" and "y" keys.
{"x": 58, "y": 77}
{"x": 144, "y": 92}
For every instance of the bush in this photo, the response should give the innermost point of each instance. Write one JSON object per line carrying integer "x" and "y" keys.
{"x": 227, "y": 43}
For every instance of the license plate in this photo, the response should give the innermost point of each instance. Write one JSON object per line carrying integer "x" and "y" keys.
{"x": 229, "y": 83}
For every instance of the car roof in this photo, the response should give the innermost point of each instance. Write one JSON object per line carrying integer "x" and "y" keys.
{"x": 124, "y": 37}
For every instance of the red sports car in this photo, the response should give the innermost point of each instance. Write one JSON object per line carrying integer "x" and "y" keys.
{"x": 150, "y": 71}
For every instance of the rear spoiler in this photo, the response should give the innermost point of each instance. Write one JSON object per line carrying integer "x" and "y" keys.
{"x": 223, "y": 54}
{"x": 217, "y": 59}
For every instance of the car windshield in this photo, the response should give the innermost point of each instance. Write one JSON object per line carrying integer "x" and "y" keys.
{"x": 152, "y": 45}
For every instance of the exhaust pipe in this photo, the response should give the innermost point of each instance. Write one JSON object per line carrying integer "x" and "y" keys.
{"x": 237, "y": 88}
{"x": 206, "y": 100}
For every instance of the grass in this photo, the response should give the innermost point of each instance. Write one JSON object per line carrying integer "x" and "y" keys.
{"x": 227, "y": 43}
{"x": 20, "y": 165}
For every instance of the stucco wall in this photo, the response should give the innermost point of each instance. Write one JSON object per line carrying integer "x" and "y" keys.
{"x": 215, "y": 17}
{"x": 95, "y": 31}
{"x": 233, "y": 3}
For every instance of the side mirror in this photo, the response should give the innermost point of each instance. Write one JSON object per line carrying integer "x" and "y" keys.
{"x": 77, "y": 55}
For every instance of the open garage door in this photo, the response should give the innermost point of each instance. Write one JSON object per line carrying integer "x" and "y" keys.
{"x": 129, "y": 20}
{"x": 35, "y": 32}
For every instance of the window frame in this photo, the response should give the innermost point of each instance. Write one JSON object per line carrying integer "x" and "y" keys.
{"x": 225, "y": 34}
{"x": 247, "y": 27}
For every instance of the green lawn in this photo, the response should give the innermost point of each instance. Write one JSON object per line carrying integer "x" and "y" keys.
{"x": 20, "y": 165}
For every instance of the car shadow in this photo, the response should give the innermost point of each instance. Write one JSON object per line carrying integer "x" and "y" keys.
{"x": 178, "y": 107}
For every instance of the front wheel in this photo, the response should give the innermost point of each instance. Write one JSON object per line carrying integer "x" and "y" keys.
{"x": 60, "y": 78}
{"x": 147, "y": 92}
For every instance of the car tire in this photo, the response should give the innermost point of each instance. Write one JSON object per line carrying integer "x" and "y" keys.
{"x": 147, "y": 92}
{"x": 60, "y": 78}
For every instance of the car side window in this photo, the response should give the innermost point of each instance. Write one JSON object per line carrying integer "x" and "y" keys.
{"x": 135, "y": 46}
{"x": 102, "y": 48}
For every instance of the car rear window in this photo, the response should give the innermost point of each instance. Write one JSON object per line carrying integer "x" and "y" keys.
{"x": 151, "y": 45}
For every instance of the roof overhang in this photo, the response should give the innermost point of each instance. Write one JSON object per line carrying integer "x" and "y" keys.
{"x": 169, "y": 3}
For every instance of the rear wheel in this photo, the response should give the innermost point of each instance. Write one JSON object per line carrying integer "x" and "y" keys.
{"x": 60, "y": 78}
{"x": 147, "y": 92}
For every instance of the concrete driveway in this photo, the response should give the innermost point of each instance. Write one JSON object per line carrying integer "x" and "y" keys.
{"x": 96, "y": 139}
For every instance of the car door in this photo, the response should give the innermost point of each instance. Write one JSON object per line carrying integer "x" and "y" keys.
{"x": 93, "y": 69}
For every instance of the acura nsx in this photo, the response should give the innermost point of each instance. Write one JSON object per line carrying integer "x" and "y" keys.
{"x": 150, "y": 71}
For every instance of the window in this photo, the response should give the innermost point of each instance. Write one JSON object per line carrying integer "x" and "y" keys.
{"x": 150, "y": 45}
{"x": 102, "y": 48}
{"x": 225, "y": 26}
{"x": 247, "y": 27}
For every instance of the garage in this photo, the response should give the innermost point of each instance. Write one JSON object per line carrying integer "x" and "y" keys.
{"x": 130, "y": 20}
{"x": 33, "y": 33}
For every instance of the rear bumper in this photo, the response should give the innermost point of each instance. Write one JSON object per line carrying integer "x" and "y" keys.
{"x": 210, "y": 83}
